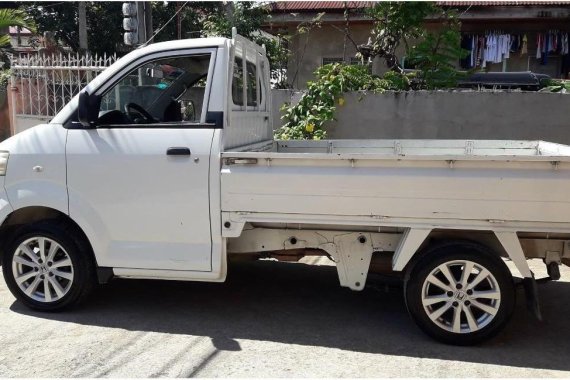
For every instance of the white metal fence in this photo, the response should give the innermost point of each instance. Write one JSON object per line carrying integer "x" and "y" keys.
{"x": 42, "y": 85}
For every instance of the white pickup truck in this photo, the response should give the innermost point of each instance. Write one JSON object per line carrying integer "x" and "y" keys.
{"x": 164, "y": 167}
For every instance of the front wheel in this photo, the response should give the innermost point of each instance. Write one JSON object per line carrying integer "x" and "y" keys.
{"x": 47, "y": 267}
{"x": 460, "y": 293}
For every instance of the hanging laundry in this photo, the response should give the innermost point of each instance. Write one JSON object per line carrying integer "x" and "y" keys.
{"x": 551, "y": 42}
{"x": 524, "y": 48}
{"x": 496, "y": 46}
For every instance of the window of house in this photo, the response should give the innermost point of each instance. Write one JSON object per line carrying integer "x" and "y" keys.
{"x": 355, "y": 61}
{"x": 328, "y": 60}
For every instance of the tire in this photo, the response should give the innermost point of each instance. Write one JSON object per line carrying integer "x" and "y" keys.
{"x": 66, "y": 266}
{"x": 481, "y": 315}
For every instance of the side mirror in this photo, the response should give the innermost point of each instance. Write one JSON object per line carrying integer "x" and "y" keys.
{"x": 87, "y": 109}
{"x": 189, "y": 110}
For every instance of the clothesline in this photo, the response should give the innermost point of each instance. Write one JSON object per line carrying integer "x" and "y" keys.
{"x": 495, "y": 46}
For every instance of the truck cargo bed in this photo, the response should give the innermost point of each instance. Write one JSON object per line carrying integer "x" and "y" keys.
{"x": 436, "y": 181}
{"x": 416, "y": 149}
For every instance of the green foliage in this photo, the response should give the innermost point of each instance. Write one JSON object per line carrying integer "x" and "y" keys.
{"x": 191, "y": 18}
{"x": 4, "y": 82}
{"x": 437, "y": 52}
{"x": 104, "y": 27}
{"x": 5, "y": 77}
{"x": 104, "y": 20}
{"x": 306, "y": 120}
{"x": 433, "y": 53}
{"x": 10, "y": 17}
{"x": 556, "y": 85}
{"x": 247, "y": 18}
{"x": 13, "y": 17}
{"x": 395, "y": 22}
{"x": 435, "y": 58}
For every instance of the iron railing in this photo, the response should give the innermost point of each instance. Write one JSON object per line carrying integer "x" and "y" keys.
{"x": 42, "y": 85}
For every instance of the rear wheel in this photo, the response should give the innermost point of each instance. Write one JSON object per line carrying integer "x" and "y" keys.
{"x": 47, "y": 267}
{"x": 460, "y": 293}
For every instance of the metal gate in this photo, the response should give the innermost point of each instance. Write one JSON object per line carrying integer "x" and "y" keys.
{"x": 42, "y": 85}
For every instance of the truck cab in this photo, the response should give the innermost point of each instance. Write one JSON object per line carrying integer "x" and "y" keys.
{"x": 152, "y": 130}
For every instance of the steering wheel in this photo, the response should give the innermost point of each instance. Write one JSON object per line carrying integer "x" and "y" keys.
{"x": 129, "y": 107}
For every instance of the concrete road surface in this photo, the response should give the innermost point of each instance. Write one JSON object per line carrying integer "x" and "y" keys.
{"x": 270, "y": 319}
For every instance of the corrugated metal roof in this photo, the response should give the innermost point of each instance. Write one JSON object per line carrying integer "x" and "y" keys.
{"x": 501, "y": 3}
{"x": 308, "y": 6}
{"x": 14, "y": 30}
{"x": 317, "y": 6}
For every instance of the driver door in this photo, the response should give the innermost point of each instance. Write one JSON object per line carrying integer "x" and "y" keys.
{"x": 139, "y": 179}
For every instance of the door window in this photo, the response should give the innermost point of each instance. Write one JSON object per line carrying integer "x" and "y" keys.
{"x": 169, "y": 90}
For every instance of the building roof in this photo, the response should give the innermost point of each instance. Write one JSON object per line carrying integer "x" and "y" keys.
{"x": 504, "y": 3}
{"x": 310, "y": 6}
{"x": 14, "y": 30}
{"x": 313, "y": 6}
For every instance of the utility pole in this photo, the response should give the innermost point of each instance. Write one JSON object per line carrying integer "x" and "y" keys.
{"x": 148, "y": 19}
{"x": 141, "y": 22}
{"x": 178, "y": 22}
{"x": 229, "y": 9}
{"x": 83, "y": 26}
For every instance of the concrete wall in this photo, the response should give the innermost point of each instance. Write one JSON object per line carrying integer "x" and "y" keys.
{"x": 21, "y": 123}
{"x": 453, "y": 115}
{"x": 278, "y": 98}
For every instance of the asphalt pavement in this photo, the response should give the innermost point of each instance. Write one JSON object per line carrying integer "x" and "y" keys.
{"x": 270, "y": 319}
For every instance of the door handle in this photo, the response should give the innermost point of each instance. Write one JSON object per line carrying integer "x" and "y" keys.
{"x": 178, "y": 151}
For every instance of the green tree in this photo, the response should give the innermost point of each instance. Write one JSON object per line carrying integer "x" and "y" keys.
{"x": 192, "y": 17}
{"x": 104, "y": 21}
{"x": 13, "y": 17}
{"x": 434, "y": 53}
{"x": 395, "y": 23}
{"x": 248, "y": 17}
{"x": 9, "y": 17}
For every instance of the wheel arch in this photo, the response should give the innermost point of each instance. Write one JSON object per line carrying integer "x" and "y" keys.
{"x": 441, "y": 237}
{"x": 36, "y": 214}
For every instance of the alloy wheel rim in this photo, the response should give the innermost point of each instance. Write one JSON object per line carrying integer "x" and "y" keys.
{"x": 461, "y": 296}
{"x": 42, "y": 269}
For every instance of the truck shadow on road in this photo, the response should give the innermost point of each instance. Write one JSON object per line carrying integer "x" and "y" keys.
{"x": 303, "y": 305}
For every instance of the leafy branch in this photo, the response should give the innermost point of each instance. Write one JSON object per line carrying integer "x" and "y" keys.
{"x": 306, "y": 120}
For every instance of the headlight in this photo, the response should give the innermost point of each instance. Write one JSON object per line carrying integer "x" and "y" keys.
{"x": 3, "y": 161}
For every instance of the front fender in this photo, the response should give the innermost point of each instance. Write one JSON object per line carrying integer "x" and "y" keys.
{"x": 36, "y": 174}
{"x": 5, "y": 207}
